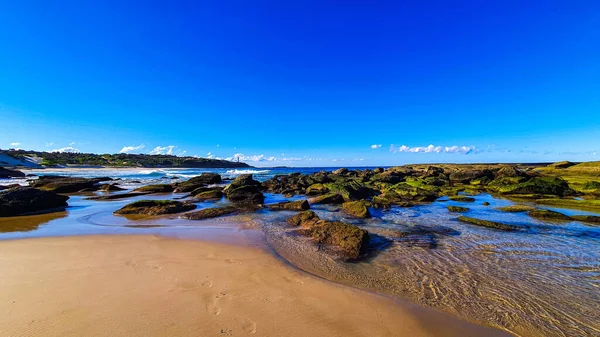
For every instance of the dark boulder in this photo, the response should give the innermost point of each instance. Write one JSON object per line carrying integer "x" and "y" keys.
{"x": 350, "y": 240}
{"x": 331, "y": 198}
{"x": 6, "y": 173}
{"x": 110, "y": 188}
{"x": 545, "y": 214}
{"x": 356, "y": 208}
{"x": 209, "y": 213}
{"x": 212, "y": 194}
{"x": 299, "y": 205}
{"x": 544, "y": 186}
{"x": 244, "y": 190}
{"x": 155, "y": 207}
{"x": 158, "y": 188}
{"x": 457, "y": 209}
{"x": 27, "y": 200}
{"x": 466, "y": 175}
{"x": 60, "y": 184}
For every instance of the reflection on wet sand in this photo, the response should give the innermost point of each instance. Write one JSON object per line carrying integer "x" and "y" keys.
{"x": 28, "y": 222}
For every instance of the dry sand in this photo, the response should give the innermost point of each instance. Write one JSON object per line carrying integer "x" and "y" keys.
{"x": 155, "y": 286}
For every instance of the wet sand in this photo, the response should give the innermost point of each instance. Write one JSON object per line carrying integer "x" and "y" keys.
{"x": 155, "y": 286}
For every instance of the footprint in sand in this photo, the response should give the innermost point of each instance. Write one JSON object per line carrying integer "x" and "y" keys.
{"x": 214, "y": 307}
{"x": 207, "y": 283}
{"x": 233, "y": 261}
{"x": 248, "y": 325}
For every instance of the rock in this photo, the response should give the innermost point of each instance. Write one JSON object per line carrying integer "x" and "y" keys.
{"x": 350, "y": 189}
{"x": 390, "y": 177}
{"x": 516, "y": 208}
{"x": 117, "y": 196}
{"x": 216, "y": 194}
{"x": 457, "y": 209}
{"x": 110, "y": 188}
{"x": 331, "y": 198}
{"x": 6, "y": 187}
{"x": 461, "y": 198}
{"x": 350, "y": 240}
{"x": 467, "y": 175}
{"x": 587, "y": 218}
{"x": 489, "y": 224}
{"x": 206, "y": 189}
{"x": 158, "y": 188}
{"x": 155, "y": 207}
{"x": 403, "y": 192}
{"x": 60, "y": 184}
{"x": 537, "y": 185}
{"x": 378, "y": 170}
{"x": 244, "y": 190}
{"x": 379, "y": 202}
{"x": 202, "y": 180}
{"x": 356, "y": 208}
{"x": 485, "y": 203}
{"x": 546, "y": 214}
{"x": 209, "y": 213}
{"x": 592, "y": 185}
{"x": 317, "y": 189}
{"x": 27, "y": 200}
{"x": 302, "y": 217}
{"x": 6, "y": 173}
{"x": 508, "y": 171}
{"x": 340, "y": 171}
{"x": 300, "y": 205}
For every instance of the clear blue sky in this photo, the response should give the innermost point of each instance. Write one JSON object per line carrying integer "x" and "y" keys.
{"x": 310, "y": 83}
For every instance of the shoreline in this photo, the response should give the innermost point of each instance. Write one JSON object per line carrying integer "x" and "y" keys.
{"x": 154, "y": 285}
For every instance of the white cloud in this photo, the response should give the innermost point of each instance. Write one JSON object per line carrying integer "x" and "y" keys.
{"x": 255, "y": 158}
{"x": 358, "y": 159}
{"x": 49, "y": 144}
{"x": 376, "y": 146}
{"x": 72, "y": 143}
{"x": 127, "y": 149}
{"x": 15, "y": 144}
{"x": 434, "y": 149}
{"x": 68, "y": 149}
{"x": 163, "y": 150}
{"x": 293, "y": 159}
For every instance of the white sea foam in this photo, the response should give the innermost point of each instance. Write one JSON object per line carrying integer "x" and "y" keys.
{"x": 248, "y": 171}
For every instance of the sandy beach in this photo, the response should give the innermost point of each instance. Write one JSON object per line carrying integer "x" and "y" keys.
{"x": 156, "y": 286}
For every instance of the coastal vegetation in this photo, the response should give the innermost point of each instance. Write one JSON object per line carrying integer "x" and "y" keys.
{"x": 117, "y": 160}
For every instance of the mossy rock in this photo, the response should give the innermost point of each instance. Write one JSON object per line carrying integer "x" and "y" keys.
{"x": 60, "y": 184}
{"x": 571, "y": 203}
{"x": 540, "y": 185}
{"x": 465, "y": 176}
{"x": 457, "y": 209}
{"x": 545, "y": 214}
{"x": 117, "y": 196}
{"x": 516, "y": 208}
{"x": 389, "y": 177}
{"x": 485, "y": 203}
{"x": 209, "y": 195}
{"x": 299, "y": 205}
{"x": 110, "y": 188}
{"x": 155, "y": 207}
{"x": 504, "y": 182}
{"x": 317, "y": 189}
{"x": 592, "y": 185}
{"x": 356, "y": 208}
{"x": 425, "y": 184}
{"x": 351, "y": 240}
{"x": 245, "y": 195}
{"x": 380, "y": 202}
{"x": 331, "y": 198}
{"x": 350, "y": 189}
{"x": 488, "y": 224}
{"x": 461, "y": 198}
{"x": 209, "y": 213}
{"x": 302, "y": 217}
{"x": 406, "y": 192}
{"x": 587, "y": 218}
{"x": 158, "y": 188}
{"x": 27, "y": 200}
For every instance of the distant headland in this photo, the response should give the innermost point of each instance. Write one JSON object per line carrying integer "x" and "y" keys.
{"x": 32, "y": 159}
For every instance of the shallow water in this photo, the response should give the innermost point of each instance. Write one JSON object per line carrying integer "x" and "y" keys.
{"x": 543, "y": 280}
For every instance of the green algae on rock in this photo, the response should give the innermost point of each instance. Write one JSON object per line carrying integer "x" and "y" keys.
{"x": 487, "y": 223}
{"x": 330, "y": 198}
{"x": 516, "y": 208}
{"x": 546, "y": 214}
{"x": 457, "y": 209}
{"x": 155, "y": 207}
{"x": 299, "y": 205}
{"x": 357, "y": 209}
{"x": 158, "y": 188}
{"x": 209, "y": 213}
{"x": 462, "y": 198}
{"x": 27, "y": 200}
